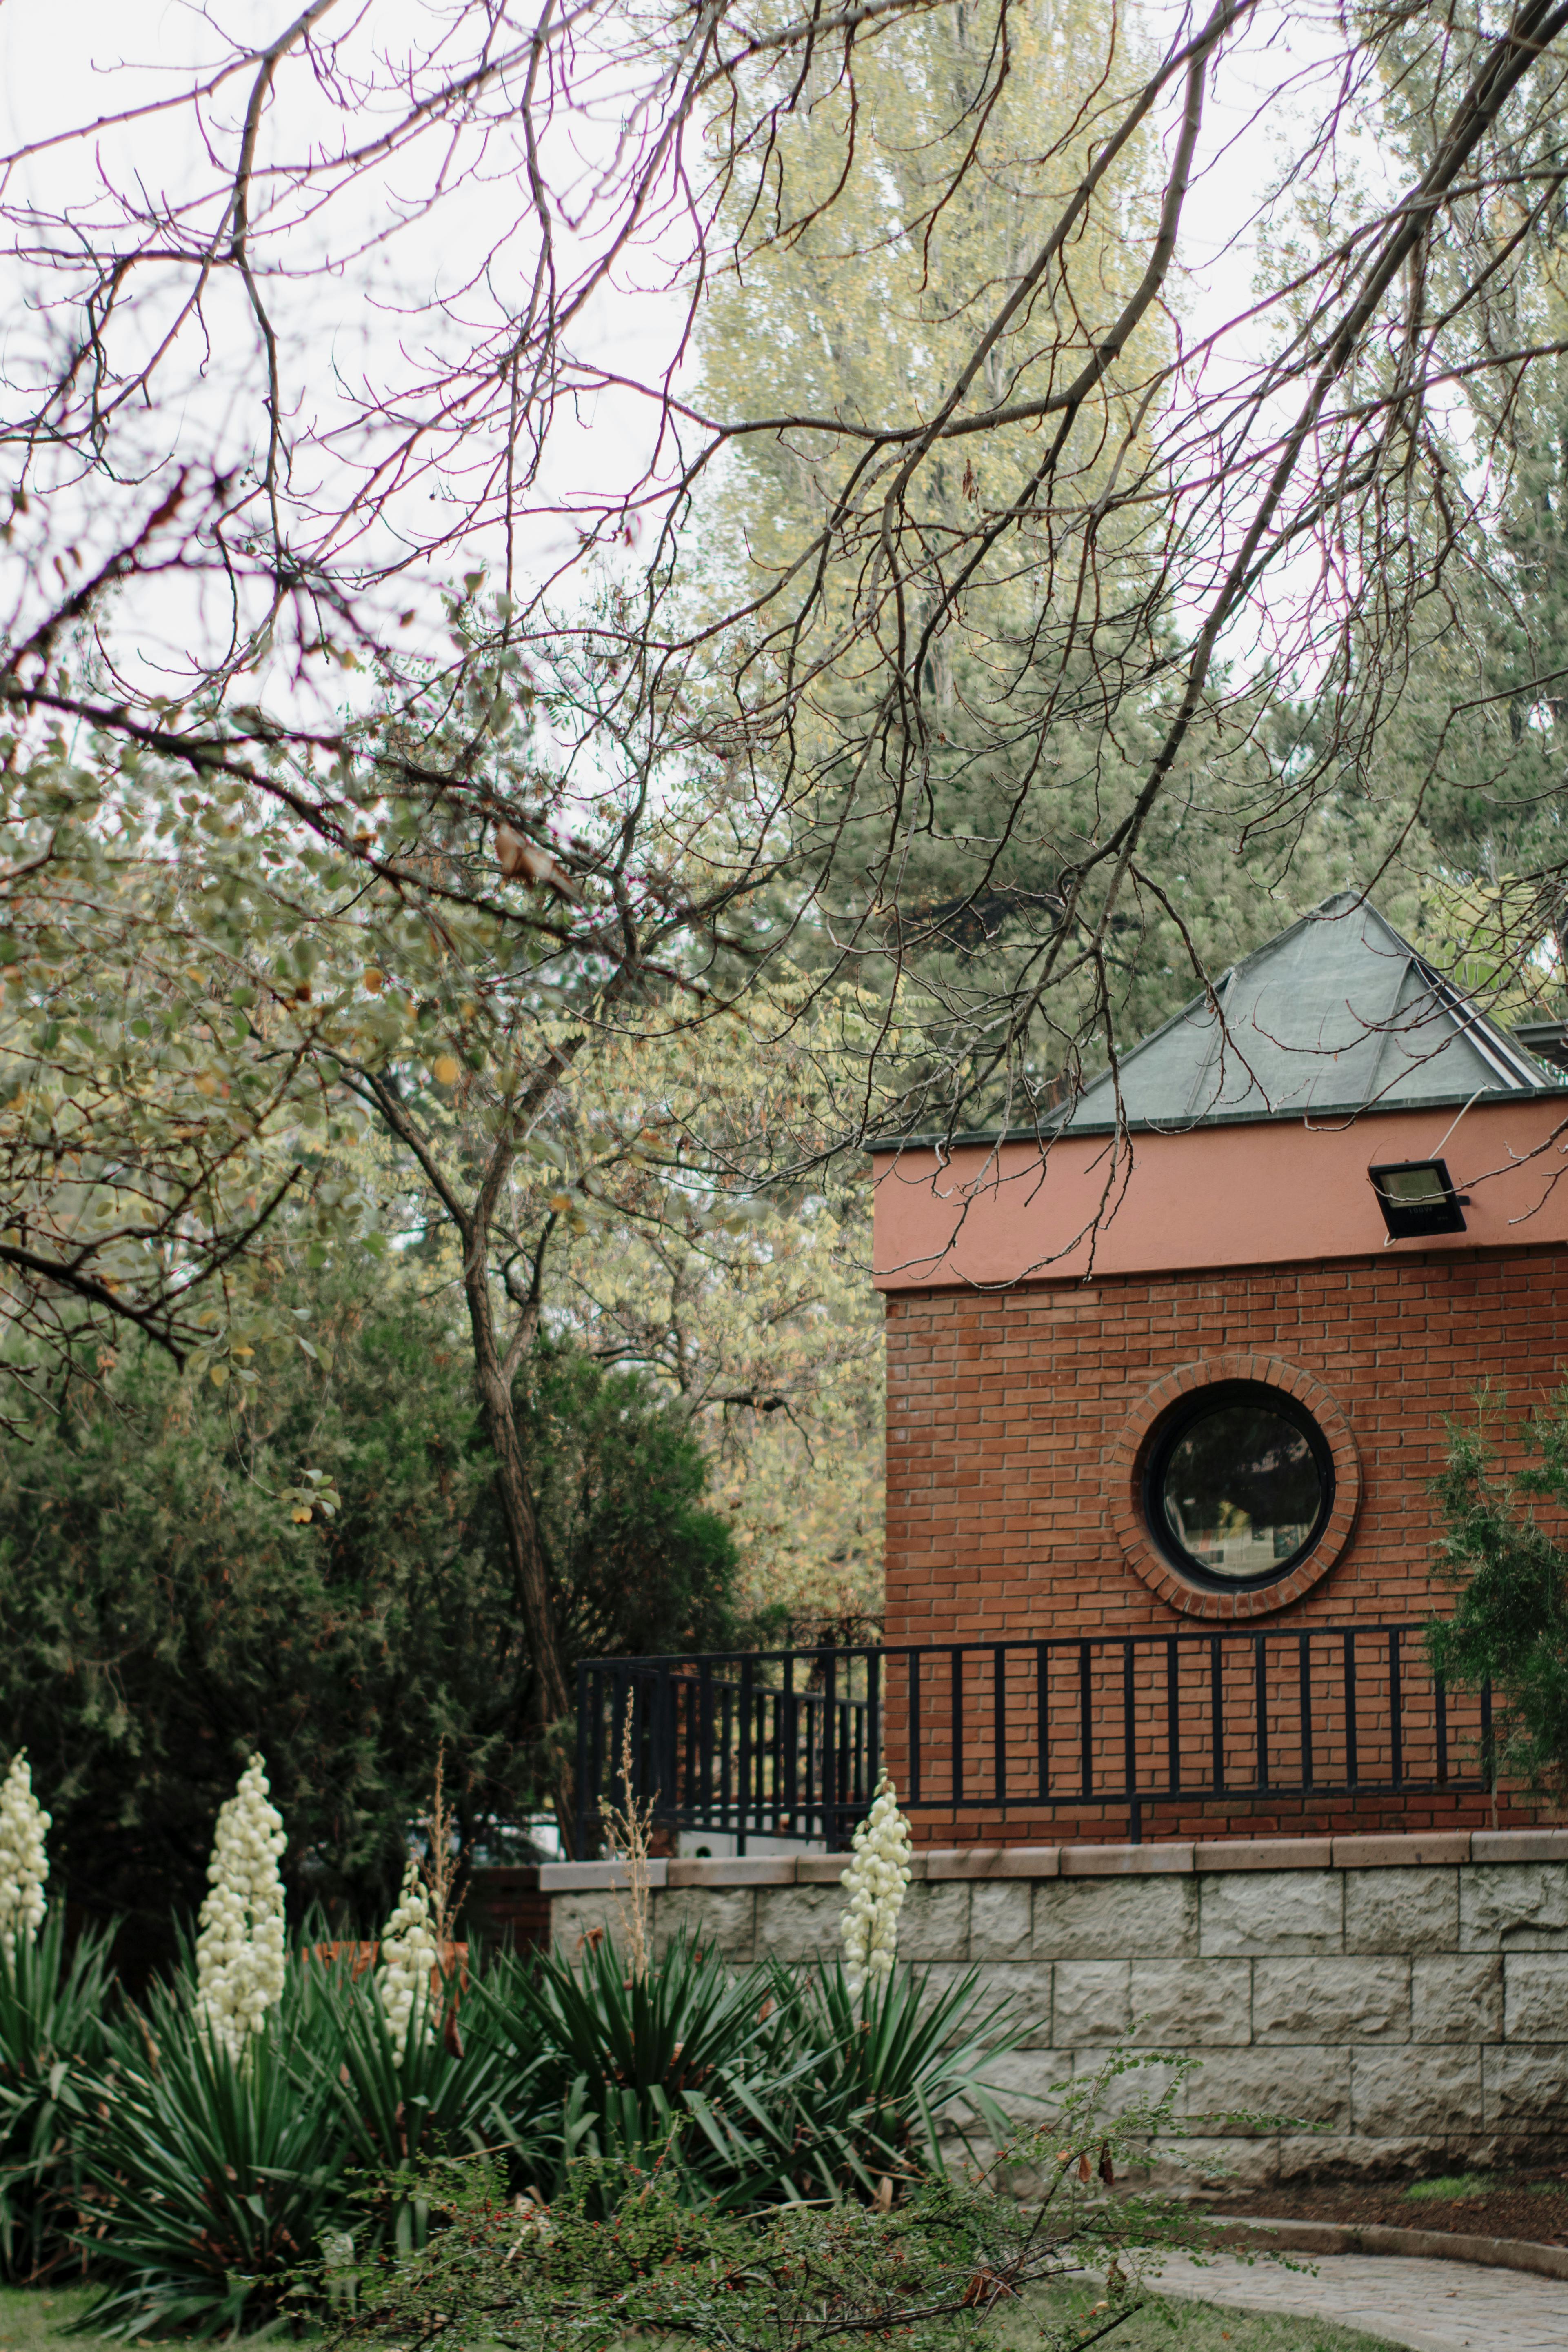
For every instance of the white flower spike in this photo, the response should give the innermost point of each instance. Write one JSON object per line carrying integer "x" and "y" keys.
{"x": 24, "y": 1863}
{"x": 408, "y": 1955}
{"x": 240, "y": 1946}
{"x": 878, "y": 1875}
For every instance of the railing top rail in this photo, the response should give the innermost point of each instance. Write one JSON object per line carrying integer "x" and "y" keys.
{"x": 988, "y": 1644}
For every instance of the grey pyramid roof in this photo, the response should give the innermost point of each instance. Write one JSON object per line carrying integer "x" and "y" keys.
{"x": 1337, "y": 1013}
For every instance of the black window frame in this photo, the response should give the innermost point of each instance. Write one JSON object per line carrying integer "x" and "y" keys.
{"x": 1167, "y": 1435}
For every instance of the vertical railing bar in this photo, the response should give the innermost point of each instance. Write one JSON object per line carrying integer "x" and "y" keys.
{"x": 873, "y": 1725}
{"x": 584, "y": 1677}
{"x": 1173, "y": 1716}
{"x": 1260, "y": 1704}
{"x": 705, "y": 1740}
{"x": 1304, "y": 1641}
{"x": 1395, "y": 1711}
{"x": 1043, "y": 1719}
{"x": 1085, "y": 1711}
{"x": 726, "y": 1754}
{"x": 1129, "y": 1726}
{"x": 1441, "y": 1695}
{"x": 999, "y": 1724}
{"x": 1216, "y": 1714}
{"x": 956, "y": 1709}
{"x": 788, "y": 1742}
{"x": 914, "y": 1660}
{"x": 1352, "y": 1770}
{"x": 748, "y": 1701}
{"x": 830, "y": 1774}
{"x": 1489, "y": 1761}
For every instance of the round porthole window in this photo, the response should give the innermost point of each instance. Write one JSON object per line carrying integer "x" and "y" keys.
{"x": 1239, "y": 1485}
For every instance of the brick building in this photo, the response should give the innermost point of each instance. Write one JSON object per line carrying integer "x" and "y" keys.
{"x": 1184, "y": 1375}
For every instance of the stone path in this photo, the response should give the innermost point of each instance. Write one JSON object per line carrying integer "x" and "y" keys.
{"x": 1431, "y": 2306}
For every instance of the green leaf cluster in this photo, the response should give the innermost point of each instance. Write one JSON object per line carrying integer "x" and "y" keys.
{"x": 315, "y": 1566}
{"x": 1509, "y": 1624}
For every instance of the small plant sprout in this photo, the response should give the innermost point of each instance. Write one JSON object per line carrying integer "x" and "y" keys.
{"x": 239, "y": 1940}
{"x": 24, "y": 1863}
{"x": 409, "y": 1956}
{"x": 875, "y": 1881}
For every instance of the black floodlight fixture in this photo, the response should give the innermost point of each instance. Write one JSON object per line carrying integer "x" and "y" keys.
{"x": 1416, "y": 1197}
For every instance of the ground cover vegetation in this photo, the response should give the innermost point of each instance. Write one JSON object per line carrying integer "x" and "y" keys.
{"x": 407, "y": 2138}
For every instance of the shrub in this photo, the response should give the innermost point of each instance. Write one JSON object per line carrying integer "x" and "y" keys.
{"x": 623, "y": 2256}
{"x": 54, "y": 2007}
{"x": 212, "y": 2175}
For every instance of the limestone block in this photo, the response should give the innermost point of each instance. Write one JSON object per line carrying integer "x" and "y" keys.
{"x": 1456, "y": 1999}
{"x": 1116, "y": 1918}
{"x": 1271, "y": 1911}
{"x": 999, "y": 1920}
{"x": 1535, "y": 1996}
{"x": 1288, "y": 2084}
{"x": 1026, "y": 1985}
{"x": 935, "y": 1922}
{"x": 1401, "y": 2093}
{"x": 1124, "y": 2086}
{"x": 1402, "y": 1910}
{"x": 1218, "y": 2162}
{"x": 575, "y": 1916}
{"x": 1091, "y": 2002}
{"x": 1191, "y": 2004}
{"x": 1526, "y": 2084}
{"x": 1029, "y": 2083}
{"x": 1331, "y": 2001}
{"x": 721, "y": 1919}
{"x": 1513, "y": 1907}
{"x": 1345, "y": 2156}
{"x": 796, "y": 1923}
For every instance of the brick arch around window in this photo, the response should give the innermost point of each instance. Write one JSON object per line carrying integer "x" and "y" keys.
{"x": 1128, "y": 1453}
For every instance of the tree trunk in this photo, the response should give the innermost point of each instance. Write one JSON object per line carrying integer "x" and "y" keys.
{"x": 522, "y": 1538}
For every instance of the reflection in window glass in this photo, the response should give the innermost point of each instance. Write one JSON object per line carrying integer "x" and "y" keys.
{"x": 1240, "y": 1490}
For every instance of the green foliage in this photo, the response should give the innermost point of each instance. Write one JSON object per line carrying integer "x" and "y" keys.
{"x": 685, "y": 2067}
{"x": 638, "y": 1562}
{"x": 623, "y": 2255}
{"x": 54, "y": 2007}
{"x": 750, "y": 2087}
{"x": 464, "y": 2066}
{"x": 211, "y": 2178}
{"x": 1510, "y": 1620}
{"x": 171, "y": 1604}
{"x": 886, "y": 2065}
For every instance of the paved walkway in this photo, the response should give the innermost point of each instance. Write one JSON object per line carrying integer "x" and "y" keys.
{"x": 1431, "y": 2306}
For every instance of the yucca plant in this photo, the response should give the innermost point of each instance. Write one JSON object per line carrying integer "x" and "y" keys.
{"x": 442, "y": 2085}
{"x": 212, "y": 2175}
{"x": 669, "y": 2068}
{"x": 884, "y": 2065}
{"x": 54, "y": 2005}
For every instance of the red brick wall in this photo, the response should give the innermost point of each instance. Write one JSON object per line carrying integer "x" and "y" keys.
{"x": 1002, "y": 1410}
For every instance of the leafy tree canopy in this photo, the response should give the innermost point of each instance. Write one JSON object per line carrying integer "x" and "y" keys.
{"x": 311, "y": 1561}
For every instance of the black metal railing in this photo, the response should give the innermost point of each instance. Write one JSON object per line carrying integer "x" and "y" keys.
{"x": 788, "y": 1743}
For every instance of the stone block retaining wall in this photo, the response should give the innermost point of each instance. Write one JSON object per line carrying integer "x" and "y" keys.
{"x": 1406, "y": 1998}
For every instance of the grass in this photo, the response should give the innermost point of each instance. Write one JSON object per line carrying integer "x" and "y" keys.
{"x": 29, "y": 2317}
{"x": 1454, "y": 2184}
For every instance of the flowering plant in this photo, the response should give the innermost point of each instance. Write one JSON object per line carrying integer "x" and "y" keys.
{"x": 409, "y": 1953}
{"x": 239, "y": 1941}
{"x": 24, "y": 1863}
{"x": 878, "y": 1875}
